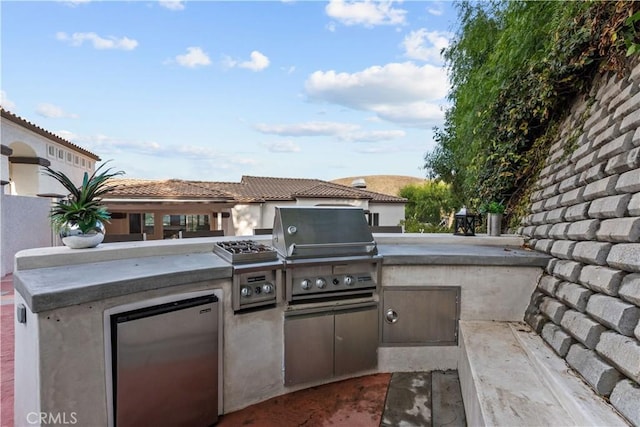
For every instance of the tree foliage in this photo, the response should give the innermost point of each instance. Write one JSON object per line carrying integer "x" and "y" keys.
{"x": 427, "y": 204}
{"x": 515, "y": 67}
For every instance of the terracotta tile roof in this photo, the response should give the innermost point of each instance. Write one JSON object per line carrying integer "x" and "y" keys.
{"x": 328, "y": 190}
{"x": 49, "y": 135}
{"x": 351, "y": 192}
{"x": 268, "y": 188}
{"x": 250, "y": 189}
{"x": 164, "y": 189}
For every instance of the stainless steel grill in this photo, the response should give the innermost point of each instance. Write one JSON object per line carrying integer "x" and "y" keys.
{"x": 317, "y": 254}
{"x": 328, "y": 252}
{"x": 331, "y": 282}
{"x": 322, "y": 232}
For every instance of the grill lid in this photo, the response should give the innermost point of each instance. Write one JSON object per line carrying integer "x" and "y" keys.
{"x": 313, "y": 232}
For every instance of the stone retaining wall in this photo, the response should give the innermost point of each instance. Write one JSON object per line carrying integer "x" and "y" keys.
{"x": 585, "y": 213}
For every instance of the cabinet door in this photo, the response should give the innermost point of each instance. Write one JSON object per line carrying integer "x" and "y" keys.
{"x": 420, "y": 316}
{"x": 356, "y": 340}
{"x": 308, "y": 348}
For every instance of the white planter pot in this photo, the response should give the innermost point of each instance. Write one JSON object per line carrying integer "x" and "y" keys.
{"x": 74, "y": 238}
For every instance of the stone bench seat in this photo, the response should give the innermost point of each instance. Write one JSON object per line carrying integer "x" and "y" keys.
{"x": 510, "y": 377}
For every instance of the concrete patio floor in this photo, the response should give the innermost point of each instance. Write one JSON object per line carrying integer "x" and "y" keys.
{"x": 402, "y": 399}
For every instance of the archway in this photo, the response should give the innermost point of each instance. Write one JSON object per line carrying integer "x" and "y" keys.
{"x": 24, "y": 168}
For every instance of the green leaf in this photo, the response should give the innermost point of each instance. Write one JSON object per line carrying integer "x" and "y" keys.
{"x": 83, "y": 204}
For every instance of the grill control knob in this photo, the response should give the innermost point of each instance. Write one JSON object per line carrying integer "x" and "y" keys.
{"x": 267, "y": 288}
{"x": 335, "y": 281}
{"x": 245, "y": 291}
{"x": 348, "y": 280}
{"x": 305, "y": 284}
{"x": 321, "y": 283}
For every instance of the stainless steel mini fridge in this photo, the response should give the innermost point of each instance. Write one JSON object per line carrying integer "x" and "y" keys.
{"x": 165, "y": 364}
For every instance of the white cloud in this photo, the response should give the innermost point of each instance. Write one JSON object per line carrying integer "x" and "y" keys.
{"x": 172, "y": 4}
{"x": 418, "y": 114}
{"x": 378, "y": 149}
{"x": 367, "y": 13}
{"x": 258, "y": 62}
{"x": 54, "y": 112}
{"x": 373, "y": 136}
{"x": 289, "y": 70}
{"x": 307, "y": 129}
{"x": 68, "y": 135}
{"x": 197, "y": 152}
{"x": 341, "y": 131}
{"x": 435, "y": 8}
{"x": 176, "y": 161}
{"x": 109, "y": 145}
{"x": 195, "y": 57}
{"x": 426, "y": 45}
{"x": 111, "y": 42}
{"x": 74, "y": 3}
{"x": 5, "y": 102}
{"x": 390, "y": 91}
{"x": 282, "y": 146}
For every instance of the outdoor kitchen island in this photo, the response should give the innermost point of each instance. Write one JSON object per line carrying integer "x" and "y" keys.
{"x": 62, "y": 363}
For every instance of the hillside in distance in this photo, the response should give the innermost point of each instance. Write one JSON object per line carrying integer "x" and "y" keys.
{"x": 385, "y": 184}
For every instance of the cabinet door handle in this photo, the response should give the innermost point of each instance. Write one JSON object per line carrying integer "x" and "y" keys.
{"x": 391, "y": 316}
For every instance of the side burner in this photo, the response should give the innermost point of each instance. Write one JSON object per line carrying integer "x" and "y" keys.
{"x": 245, "y": 251}
{"x": 257, "y": 273}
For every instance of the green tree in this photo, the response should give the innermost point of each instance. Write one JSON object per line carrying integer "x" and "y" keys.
{"x": 515, "y": 67}
{"x": 426, "y": 205}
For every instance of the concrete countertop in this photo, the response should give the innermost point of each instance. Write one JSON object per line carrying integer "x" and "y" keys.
{"x": 50, "y": 278}
{"x": 55, "y": 287}
{"x": 452, "y": 254}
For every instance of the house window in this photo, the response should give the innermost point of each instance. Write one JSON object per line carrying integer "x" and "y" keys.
{"x": 69, "y": 157}
{"x": 149, "y": 223}
{"x": 61, "y": 154}
{"x": 174, "y": 224}
{"x": 374, "y": 219}
{"x": 51, "y": 151}
{"x": 76, "y": 160}
{"x": 83, "y": 163}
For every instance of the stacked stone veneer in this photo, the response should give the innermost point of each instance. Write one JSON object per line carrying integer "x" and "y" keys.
{"x": 585, "y": 213}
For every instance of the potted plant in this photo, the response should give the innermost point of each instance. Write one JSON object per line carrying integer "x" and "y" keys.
{"x": 79, "y": 217}
{"x": 494, "y": 211}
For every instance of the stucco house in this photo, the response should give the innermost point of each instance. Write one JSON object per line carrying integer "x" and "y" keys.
{"x": 164, "y": 208}
{"x": 155, "y": 209}
{"x": 26, "y": 195}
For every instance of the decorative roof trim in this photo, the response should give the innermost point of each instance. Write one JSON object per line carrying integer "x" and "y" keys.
{"x": 45, "y": 133}
{"x": 30, "y": 161}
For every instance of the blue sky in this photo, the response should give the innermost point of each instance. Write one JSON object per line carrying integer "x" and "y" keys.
{"x": 213, "y": 90}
